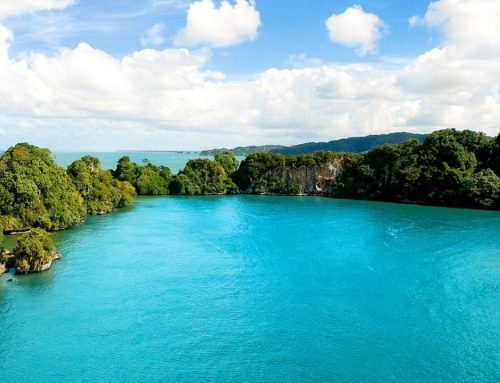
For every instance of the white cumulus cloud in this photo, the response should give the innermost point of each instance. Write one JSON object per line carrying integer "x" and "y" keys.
{"x": 356, "y": 28}
{"x": 154, "y": 35}
{"x": 472, "y": 24}
{"x": 226, "y": 25}
{"x": 18, "y": 7}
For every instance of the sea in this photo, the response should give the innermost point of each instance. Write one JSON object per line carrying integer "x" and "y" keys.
{"x": 260, "y": 289}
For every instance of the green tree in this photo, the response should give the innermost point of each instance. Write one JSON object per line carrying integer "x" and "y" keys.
{"x": 447, "y": 166}
{"x": 183, "y": 185}
{"x": 203, "y": 176}
{"x": 494, "y": 161}
{"x": 484, "y": 190}
{"x": 33, "y": 251}
{"x": 101, "y": 192}
{"x": 228, "y": 161}
{"x": 147, "y": 179}
{"x": 36, "y": 192}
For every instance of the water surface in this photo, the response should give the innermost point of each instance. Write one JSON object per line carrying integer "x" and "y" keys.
{"x": 261, "y": 289}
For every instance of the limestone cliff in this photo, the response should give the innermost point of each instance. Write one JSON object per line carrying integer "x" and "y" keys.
{"x": 292, "y": 177}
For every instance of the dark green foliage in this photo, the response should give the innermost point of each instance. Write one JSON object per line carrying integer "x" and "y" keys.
{"x": 148, "y": 179}
{"x": 494, "y": 162}
{"x": 484, "y": 190}
{"x": 183, "y": 185}
{"x": 203, "y": 176}
{"x": 33, "y": 251}
{"x": 228, "y": 161}
{"x": 36, "y": 192}
{"x": 387, "y": 172}
{"x": 101, "y": 192}
{"x": 450, "y": 168}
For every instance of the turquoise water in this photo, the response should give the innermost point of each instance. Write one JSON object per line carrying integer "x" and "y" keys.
{"x": 261, "y": 289}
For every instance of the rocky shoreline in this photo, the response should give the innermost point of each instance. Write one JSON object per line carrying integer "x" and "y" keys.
{"x": 10, "y": 262}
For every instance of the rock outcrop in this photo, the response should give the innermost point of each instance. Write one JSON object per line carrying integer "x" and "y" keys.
{"x": 6, "y": 260}
{"x": 301, "y": 180}
{"x": 40, "y": 267}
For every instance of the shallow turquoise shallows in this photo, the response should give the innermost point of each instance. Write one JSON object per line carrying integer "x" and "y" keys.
{"x": 261, "y": 289}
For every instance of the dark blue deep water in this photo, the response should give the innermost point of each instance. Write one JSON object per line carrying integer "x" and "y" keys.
{"x": 261, "y": 289}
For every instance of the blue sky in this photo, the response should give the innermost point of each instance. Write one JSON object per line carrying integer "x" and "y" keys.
{"x": 196, "y": 74}
{"x": 289, "y": 27}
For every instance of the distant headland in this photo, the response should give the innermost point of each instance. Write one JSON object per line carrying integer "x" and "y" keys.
{"x": 352, "y": 144}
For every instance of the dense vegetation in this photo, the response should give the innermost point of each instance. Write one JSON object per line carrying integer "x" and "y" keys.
{"x": 204, "y": 176}
{"x": 33, "y": 251}
{"x": 147, "y": 179}
{"x": 1, "y": 240}
{"x": 199, "y": 176}
{"x": 352, "y": 144}
{"x": 101, "y": 192}
{"x": 228, "y": 161}
{"x": 450, "y": 168}
{"x": 36, "y": 192}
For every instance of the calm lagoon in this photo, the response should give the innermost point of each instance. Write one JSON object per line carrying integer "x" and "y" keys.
{"x": 261, "y": 289}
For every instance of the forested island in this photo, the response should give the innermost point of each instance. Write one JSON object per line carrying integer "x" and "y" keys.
{"x": 450, "y": 168}
{"x": 351, "y": 144}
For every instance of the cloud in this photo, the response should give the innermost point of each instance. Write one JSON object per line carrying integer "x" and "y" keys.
{"x": 18, "y": 7}
{"x": 226, "y": 25}
{"x": 154, "y": 35}
{"x": 472, "y": 24}
{"x": 356, "y": 28}
{"x": 85, "y": 98}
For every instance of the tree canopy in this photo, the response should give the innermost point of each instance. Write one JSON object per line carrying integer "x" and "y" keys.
{"x": 203, "y": 176}
{"x": 33, "y": 251}
{"x": 451, "y": 168}
{"x": 36, "y": 192}
{"x": 147, "y": 179}
{"x": 228, "y": 161}
{"x": 101, "y": 192}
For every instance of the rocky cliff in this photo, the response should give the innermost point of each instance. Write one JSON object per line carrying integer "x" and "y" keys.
{"x": 265, "y": 174}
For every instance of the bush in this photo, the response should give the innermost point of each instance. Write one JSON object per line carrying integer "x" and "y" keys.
{"x": 33, "y": 251}
{"x": 148, "y": 179}
{"x": 101, "y": 192}
{"x": 36, "y": 192}
{"x": 228, "y": 161}
{"x": 203, "y": 176}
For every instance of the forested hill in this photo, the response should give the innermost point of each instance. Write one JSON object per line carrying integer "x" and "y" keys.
{"x": 352, "y": 144}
